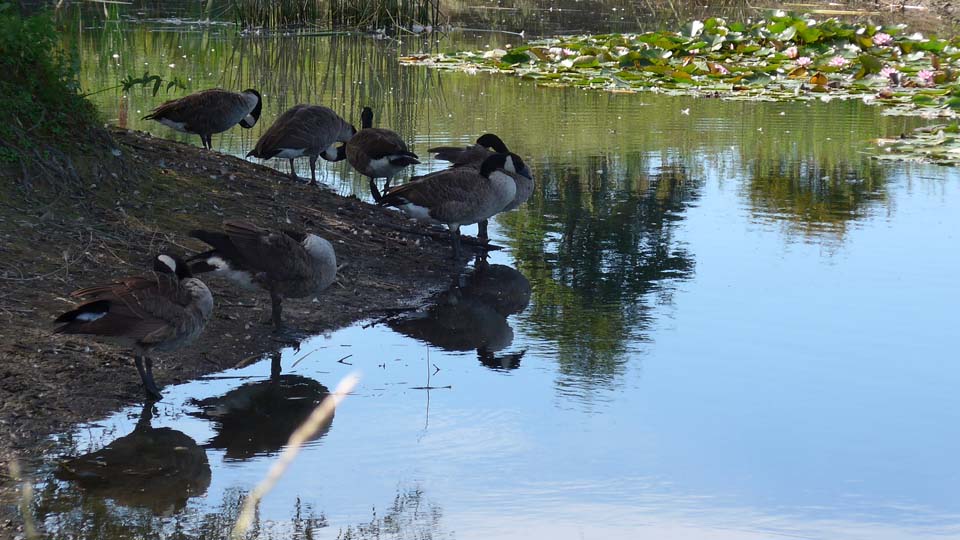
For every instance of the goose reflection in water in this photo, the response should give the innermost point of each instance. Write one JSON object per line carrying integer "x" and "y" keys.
{"x": 258, "y": 418}
{"x": 473, "y": 316}
{"x": 154, "y": 468}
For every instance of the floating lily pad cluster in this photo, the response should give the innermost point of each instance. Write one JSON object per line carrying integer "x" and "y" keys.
{"x": 784, "y": 57}
{"x": 935, "y": 144}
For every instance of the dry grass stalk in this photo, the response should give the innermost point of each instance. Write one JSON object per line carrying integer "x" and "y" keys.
{"x": 318, "y": 418}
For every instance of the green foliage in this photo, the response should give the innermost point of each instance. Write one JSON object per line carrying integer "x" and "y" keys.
{"x": 39, "y": 89}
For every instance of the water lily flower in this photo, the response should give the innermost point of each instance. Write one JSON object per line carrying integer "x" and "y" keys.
{"x": 791, "y": 52}
{"x": 804, "y": 61}
{"x": 890, "y": 73}
{"x": 838, "y": 61}
{"x": 722, "y": 70}
{"x": 559, "y": 52}
{"x": 620, "y": 51}
{"x": 925, "y": 77}
{"x": 881, "y": 39}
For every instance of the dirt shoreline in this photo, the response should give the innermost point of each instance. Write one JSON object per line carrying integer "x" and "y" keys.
{"x": 51, "y": 382}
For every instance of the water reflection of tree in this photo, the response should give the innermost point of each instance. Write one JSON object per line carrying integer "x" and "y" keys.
{"x": 600, "y": 248}
{"x": 816, "y": 196}
{"x": 67, "y": 513}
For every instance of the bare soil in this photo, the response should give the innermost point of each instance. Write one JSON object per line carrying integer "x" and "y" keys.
{"x": 48, "y": 248}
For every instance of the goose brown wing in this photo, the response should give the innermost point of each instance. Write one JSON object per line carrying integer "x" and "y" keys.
{"x": 204, "y": 108}
{"x": 141, "y": 309}
{"x": 472, "y": 155}
{"x": 378, "y": 143}
{"x": 441, "y": 188}
{"x": 281, "y": 134}
{"x": 277, "y": 254}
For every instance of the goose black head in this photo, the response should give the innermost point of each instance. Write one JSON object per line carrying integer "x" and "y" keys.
{"x": 489, "y": 140}
{"x": 251, "y": 119}
{"x": 507, "y": 161}
{"x": 168, "y": 264}
{"x": 366, "y": 118}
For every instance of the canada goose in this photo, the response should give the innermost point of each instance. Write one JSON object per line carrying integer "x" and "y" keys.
{"x": 459, "y": 196}
{"x": 209, "y": 112}
{"x": 377, "y": 152}
{"x": 162, "y": 312}
{"x": 305, "y": 130}
{"x": 288, "y": 264}
{"x": 473, "y": 156}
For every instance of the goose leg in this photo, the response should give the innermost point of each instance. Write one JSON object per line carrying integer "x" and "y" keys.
{"x": 374, "y": 191}
{"x": 313, "y": 170}
{"x": 293, "y": 172}
{"x": 482, "y": 231}
{"x": 146, "y": 375}
{"x": 276, "y": 301}
{"x": 455, "y": 239}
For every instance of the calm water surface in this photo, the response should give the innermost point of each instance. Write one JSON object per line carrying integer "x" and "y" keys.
{"x": 714, "y": 319}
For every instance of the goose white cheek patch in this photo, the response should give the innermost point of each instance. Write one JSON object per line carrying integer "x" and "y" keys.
{"x": 169, "y": 262}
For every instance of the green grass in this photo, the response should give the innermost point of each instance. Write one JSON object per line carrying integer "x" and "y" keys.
{"x": 40, "y": 91}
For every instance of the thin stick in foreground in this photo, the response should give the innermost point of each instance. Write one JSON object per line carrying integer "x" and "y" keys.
{"x": 308, "y": 429}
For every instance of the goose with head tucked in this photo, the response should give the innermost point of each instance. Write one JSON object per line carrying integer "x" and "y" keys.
{"x": 378, "y": 153}
{"x": 305, "y": 131}
{"x": 473, "y": 156}
{"x": 210, "y": 111}
{"x": 161, "y": 312}
{"x": 460, "y": 195}
{"x": 287, "y": 263}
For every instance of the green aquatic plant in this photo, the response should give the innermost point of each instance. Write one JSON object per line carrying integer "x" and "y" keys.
{"x": 784, "y": 57}
{"x": 146, "y": 81}
{"x": 337, "y": 13}
{"x": 938, "y": 144}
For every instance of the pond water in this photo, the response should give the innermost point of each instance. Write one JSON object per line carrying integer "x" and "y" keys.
{"x": 713, "y": 319}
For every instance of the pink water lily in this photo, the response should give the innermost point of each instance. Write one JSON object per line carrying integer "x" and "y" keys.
{"x": 838, "y": 61}
{"x": 925, "y": 77}
{"x": 891, "y": 74}
{"x": 791, "y": 52}
{"x": 881, "y": 39}
{"x": 722, "y": 70}
{"x": 804, "y": 61}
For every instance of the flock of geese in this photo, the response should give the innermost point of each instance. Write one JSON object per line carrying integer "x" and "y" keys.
{"x": 169, "y": 309}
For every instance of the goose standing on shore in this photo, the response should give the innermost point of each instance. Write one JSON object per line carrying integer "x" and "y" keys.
{"x": 162, "y": 312}
{"x": 208, "y": 112}
{"x": 305, "y": 131}
{"x": 473, "y": 156}
{"x": 460, "y": 195}
{"x": 377, "y": 153}
{"x": 287, "y": 264}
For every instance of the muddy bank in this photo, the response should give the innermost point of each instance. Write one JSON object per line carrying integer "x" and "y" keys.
{"x": 48, "y": 382}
